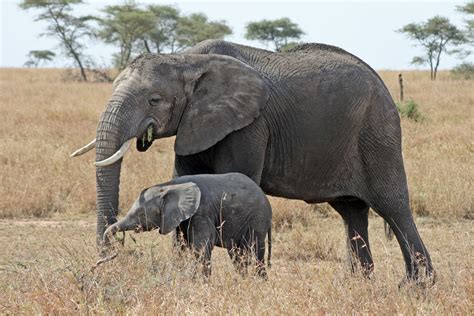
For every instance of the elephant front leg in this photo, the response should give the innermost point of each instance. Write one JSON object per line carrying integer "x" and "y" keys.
{"x": 200, "y": 239}
{"x": 202, "y": 252}
{"x": 179, "y": 241}
{"x": 243, "y": 151}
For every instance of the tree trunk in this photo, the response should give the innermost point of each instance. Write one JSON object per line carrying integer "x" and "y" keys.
{"x": 147, "y": 47}
{"x": 67, "y": 43}
{"x": 438, "y": 58}
{"x": 431, "y": 67}
{"x": 79, "y": 63}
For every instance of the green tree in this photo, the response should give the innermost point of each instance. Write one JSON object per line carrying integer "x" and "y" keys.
{"x": 279, "y": 32}
{"x": 124, "y": 25}
{"x": 157, "y": 28}
{"x": 163, "y": 36}
{"x": 35, "y": 57}
{"x": 288, "y": 46}
{"x": 196, "y": 28}
{"x": 435, "y": 36}
{"x": 69, "y": 29}
{"x": 468, "y": 9}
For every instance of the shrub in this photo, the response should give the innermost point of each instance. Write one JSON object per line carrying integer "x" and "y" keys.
{"x": 464, "y": 70}
{"x": 409, "y": 109}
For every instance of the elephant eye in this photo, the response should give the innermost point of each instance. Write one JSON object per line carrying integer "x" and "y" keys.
{"x": 155, "y": 100}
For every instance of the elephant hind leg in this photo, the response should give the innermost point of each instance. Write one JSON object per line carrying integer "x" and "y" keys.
{"x": 240, "y": 259}
{"x": 252, "y": 246}
{"x": 355, "y": 214}
{"x": 259, "y": 253}
{"x": 398, "y": 215}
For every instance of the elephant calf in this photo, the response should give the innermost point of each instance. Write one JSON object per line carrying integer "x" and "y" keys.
{"x": 226, "y": 210}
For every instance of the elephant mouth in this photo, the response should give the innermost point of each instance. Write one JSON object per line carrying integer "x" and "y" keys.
{"x": 146, "y": 138}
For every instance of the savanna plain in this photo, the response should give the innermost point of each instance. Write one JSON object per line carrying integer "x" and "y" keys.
{"x": 47, "y": 218}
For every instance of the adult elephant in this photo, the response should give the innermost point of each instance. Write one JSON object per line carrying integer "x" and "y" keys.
{"x": 315, "y": 124}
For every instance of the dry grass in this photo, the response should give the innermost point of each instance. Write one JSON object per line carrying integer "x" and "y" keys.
{"x": 439, "y": 152}
{"x": 44, "y": 267}
{"x": 46, "y": 119}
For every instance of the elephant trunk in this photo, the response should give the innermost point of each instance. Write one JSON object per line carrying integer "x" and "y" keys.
{"x": 109, "y": 139}
{"x": 107, "y": 186}
{"x": 124, "y": 224}
{"x": 111, "y": 229}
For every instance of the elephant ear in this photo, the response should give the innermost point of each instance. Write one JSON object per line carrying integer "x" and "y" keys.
{"x": 227, "y": 96}
{"x": 178, "y": 202}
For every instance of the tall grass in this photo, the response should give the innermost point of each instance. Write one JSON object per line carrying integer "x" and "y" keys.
{"x": 45, "y": 119}
{"x": 45, "y": 269}
{"x": 438, "y": 152}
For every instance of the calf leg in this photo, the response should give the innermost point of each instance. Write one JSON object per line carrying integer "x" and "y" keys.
{"x": 259, "y": 252}
{"x": 179, "y": 241}
{"x": 202, "y": 252}
{"x": 239, "y": 258}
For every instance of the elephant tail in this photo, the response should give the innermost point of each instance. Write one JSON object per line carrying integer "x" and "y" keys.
{"x": 269, "y": 241}
{"x": 388, "y": 230}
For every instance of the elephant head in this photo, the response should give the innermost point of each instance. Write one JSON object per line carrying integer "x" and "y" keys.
{"x": 198, "y": 98}
{"x": 163, "y": 207}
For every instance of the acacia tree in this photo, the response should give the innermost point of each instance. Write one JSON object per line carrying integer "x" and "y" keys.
{"x": 156, "y": 28}
{"x": 279, "y": 32}
{"x": 124, "y": 25}
{"x": 173, "y": 32}
{"x": 70, "y": 30}
{"x": 196, "y": 28}
{"x": 468, "y": 9}
{"x": 435, "y": 36}
{"x": 163, "y": 36}
{"x": 35, "y": 57}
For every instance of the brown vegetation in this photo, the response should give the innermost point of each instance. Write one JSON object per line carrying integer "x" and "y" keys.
{"x": 44, "y": 267}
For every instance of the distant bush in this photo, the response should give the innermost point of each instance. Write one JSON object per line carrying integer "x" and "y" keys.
{"x": 464, "y": 70}
{"x": 409, "y": 109}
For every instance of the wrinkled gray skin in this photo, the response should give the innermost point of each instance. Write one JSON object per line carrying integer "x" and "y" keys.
{"x": 228, "y": 211}
{"x": 315, "y": 124}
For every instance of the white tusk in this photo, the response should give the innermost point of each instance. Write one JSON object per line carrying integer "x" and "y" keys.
{"x": 84, "y": 149}
{"x": 119, "y": 154}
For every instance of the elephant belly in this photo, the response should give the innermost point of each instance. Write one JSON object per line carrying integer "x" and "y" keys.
{"x": 313, "y": 171}
{"x": 309, "y": 189}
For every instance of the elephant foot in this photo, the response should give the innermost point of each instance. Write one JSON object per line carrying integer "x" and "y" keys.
{"x": 206, "y": 270}
{"x": 420, "y": 273}
{"x": 365, "y": 269}
{"x": 368, "y": 271}
{"x": 261, "y": 272}
{"x": 424, "y": 281}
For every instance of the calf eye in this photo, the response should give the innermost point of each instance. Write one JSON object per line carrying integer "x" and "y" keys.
{"x": 155, "y": 100}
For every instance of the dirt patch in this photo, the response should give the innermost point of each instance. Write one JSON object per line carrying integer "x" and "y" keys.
{"x": 47, "y": 223}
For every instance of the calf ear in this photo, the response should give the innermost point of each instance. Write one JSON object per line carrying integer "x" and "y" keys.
{"x": 179, "y": 202}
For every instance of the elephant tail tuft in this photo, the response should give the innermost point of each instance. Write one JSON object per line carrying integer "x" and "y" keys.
{"x": 388, "y": 230}
{"x": 269, "y": 241}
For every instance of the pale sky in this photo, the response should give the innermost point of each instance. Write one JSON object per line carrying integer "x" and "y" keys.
{"x": 364, "y": 28}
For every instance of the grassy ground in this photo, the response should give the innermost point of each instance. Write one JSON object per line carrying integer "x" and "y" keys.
{"x": 47, "y": 203}
{"x": 45, "y": 269}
